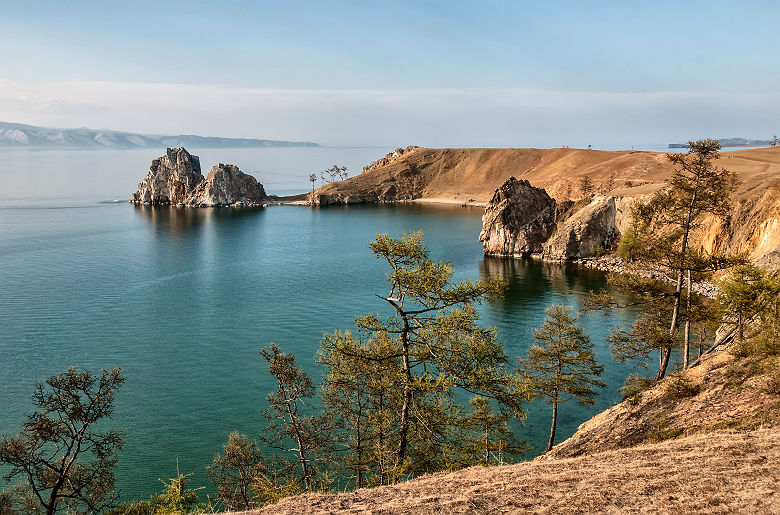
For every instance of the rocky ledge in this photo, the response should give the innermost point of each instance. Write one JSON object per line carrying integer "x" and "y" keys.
{"x": 521, "y": 220}
{"x": 176, "y": 179}
{"x": 390, "y": 158}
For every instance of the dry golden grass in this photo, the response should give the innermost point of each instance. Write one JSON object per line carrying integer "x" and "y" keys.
{"x": 731, "y": 394}
{"x": 708, "y": 444}
{"x": 723, "y": 472}
{"x": 462, "y": 173}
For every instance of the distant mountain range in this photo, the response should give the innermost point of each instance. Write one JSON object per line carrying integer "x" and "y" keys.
{"x": 734, "y": 142}
{"x": 20, "y": 135}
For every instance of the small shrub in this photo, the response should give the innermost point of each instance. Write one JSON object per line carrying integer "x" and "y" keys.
{"x": 629, "y": 184}
{"x": 773, "y": 378}
{"x": 680, "y": 387}
{"x": 131, "y": 508}
{"x": 633, "y": 387}
{"x": 659, "y": 429}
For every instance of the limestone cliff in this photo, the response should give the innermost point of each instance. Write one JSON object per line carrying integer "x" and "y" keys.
{"x": 171, "y": 178}
{"x": 226, "y": 185}
{"x": 518, "y": 220}
{"x": 176, "y": 179}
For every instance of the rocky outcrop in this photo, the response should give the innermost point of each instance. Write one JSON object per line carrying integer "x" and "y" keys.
{"x": 518, "y": 220}
{"x": 586, "y": 233}
{"x": 226, "y": 185}
{"x": 522, "y": 220}
{"x": 171, "y": 178}
{"x": 175, "y": 179}
{"x": 391, "y": 157}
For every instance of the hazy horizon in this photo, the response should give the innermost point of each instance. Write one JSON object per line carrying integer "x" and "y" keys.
{"x": 437, "y": 74}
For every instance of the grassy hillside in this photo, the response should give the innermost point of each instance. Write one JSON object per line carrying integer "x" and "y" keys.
{"x": 706, "y": 440}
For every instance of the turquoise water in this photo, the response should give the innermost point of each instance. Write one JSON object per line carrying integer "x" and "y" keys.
{"x": 183, "y": 299}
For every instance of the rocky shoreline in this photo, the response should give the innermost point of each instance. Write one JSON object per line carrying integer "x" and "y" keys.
{"x": 615, "y": 264}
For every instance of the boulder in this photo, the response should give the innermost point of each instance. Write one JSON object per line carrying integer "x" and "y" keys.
{"x": 171, "y": 178}
{"x": 226, "y": 185}
{"x": 588, "y": 232}
{"x": 518, "y": 220}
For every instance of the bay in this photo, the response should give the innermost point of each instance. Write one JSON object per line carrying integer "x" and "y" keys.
{"x": 183, "y": 299}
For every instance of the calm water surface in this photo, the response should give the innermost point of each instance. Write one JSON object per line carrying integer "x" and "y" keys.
{"x": 183, "y": 299}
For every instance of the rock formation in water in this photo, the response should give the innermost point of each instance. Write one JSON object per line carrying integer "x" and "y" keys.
{"x": 518, "y": 220}
{"x": 226, "y": 185}
{"x": 522, "y": 220}
{"x": 175, "y": 178}
{"x": 589, "y": 231}
{"x": 171, "y": 178}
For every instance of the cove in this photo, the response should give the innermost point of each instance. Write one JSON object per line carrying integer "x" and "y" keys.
{"x": 183, "y": 299}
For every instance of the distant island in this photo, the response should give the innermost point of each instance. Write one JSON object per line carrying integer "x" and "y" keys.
{"x": 735, "y": 142}
{"x": 21, "y": 135}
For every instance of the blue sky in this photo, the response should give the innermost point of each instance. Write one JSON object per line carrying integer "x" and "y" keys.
{"x": 391, "y": 73}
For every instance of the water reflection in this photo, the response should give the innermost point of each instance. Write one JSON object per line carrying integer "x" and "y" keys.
{"x": 182, "y": 220}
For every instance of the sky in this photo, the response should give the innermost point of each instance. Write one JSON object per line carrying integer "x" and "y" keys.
{"x": 378, "y": 73}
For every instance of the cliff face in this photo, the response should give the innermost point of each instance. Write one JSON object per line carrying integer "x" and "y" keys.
{"x": 518, "y": 220}
{"x": 226, "y": 185}
{"x": 588, "y": 231}
{"x": 175, "y": 178}
{"x": 521, "y": 220}
{"x": 171, "y": 178}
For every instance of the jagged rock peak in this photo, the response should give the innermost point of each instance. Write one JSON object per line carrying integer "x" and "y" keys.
{"x": 226, "y": 185}
{"x": 171, "y": 178}
{"x": 389, "y": 158}
{"x": 518, "y": 220}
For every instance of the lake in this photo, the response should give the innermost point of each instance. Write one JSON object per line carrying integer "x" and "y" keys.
{"x": 183, "y": 299}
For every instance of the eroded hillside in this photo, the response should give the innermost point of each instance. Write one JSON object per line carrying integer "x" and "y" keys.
{"x": 473, "y": 175}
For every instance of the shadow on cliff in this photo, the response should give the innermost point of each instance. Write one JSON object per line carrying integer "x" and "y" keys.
{"x": 182, "y": 220}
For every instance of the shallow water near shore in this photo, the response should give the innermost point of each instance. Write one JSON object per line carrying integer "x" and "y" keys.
{"x": 183, "y": 299}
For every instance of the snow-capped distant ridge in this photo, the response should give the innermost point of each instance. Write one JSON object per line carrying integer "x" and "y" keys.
{"x": 21, "y": 135}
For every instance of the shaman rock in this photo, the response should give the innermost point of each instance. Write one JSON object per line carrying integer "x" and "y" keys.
{"x": 226, "y": 185}
{"x": 171, "y": 178}
{"x": 518, "y": 220}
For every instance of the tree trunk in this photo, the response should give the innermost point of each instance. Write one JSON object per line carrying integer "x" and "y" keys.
{"x": 407, "y": 396}
{"x": 552, "y": 428}
{"x": 678, "y": 289}
{"x": 687, "y": 347}
{"x": 665, "y": 353}
{"x": 298, "y": 439}
{"x": 381, "y": 457}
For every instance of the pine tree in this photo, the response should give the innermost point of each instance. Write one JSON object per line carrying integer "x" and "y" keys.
{"x": 236, "y": 472}
{"x": 660, "y": 238}
{"x": 562, "y": 363}
{"x": 486, "y": 436}
{"x": 586, "y": 186}
{"x": 60, "y": 452}
{"x": 295, "y": 389}
{"x": 428, "y": 348}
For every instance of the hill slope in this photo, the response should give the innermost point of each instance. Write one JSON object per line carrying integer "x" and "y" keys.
{"x": 462, "y": 173}
{"x": 723, "y": 472}
{"x": 472, "y": 176}
{"x": 712, "y": 449}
